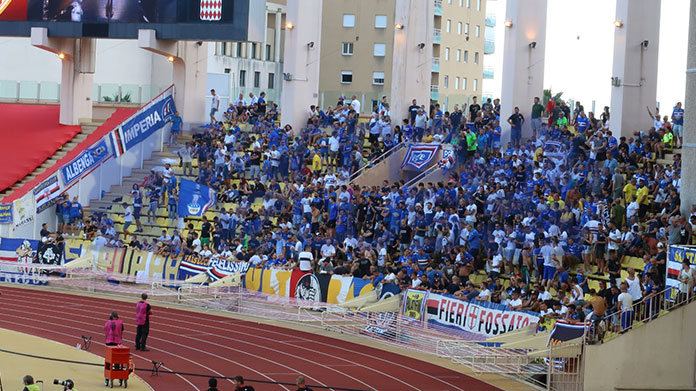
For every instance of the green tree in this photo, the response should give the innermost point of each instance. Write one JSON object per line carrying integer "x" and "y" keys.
{"x": 548, "y": 94}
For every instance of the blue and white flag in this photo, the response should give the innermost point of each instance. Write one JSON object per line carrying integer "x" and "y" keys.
{"x": 89, "y": 159}
{"x": 194, "y": 198}
{"x": 419, "y": 156}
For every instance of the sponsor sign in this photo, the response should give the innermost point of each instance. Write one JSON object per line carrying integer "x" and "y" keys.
{"x": 414, "y": 305}
{"x": 45, "y": 193}
{"x": 85, "y": 161}
{"x": 147, "y": 120}
{"x": 5, "y": 213}
{"x": 419, "y": 156}
{"x": 483, "y": 318}
{"x": 676, "y": 256}
{"x": 23, "y": 211}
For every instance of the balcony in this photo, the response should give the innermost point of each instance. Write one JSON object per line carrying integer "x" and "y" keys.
{"x": 490, "y": 20}
{"x": 488, "y": 73}
{"x": 436, "y": 64}
{"x": 438, "y": 7}
{"x": 437, "y": 36}
{"x": 434, "y": 93}
{"x": 489, "y": 46}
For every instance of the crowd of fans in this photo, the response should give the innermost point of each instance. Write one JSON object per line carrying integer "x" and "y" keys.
{"x": 539, "y": 217}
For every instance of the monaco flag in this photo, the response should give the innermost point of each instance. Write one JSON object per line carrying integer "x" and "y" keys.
{"x": 211, "y": 9}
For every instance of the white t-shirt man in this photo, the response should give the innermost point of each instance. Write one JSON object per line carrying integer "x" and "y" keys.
{"x": 496, "y": 261}
{"x": 128, "y": 215}
{"x": 306, "y": 259}
{"x": 547, "y": 252}
{"x": 471, "y": 211}
{"x": 632, "y": 209}
{"x": 626, "y": 301}
{"x": 333, "y": 144}
{"x": 328, "y": 250}
{"x": 355, "y": 104}
{"x": 614, "y": 235}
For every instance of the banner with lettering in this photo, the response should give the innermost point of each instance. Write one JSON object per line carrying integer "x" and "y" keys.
{"x": 146, "y": 121}
{"x": 89, "y": 159}
{"x": 676, "y": 256}
{"x": 420, "y": 155}
{"x": 23, "y": 211}
{"x": 45, "y": 193}
{"x": 482, "y": 318}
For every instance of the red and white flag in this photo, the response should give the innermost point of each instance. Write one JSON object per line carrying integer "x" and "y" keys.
{"x": 211, "y": 9}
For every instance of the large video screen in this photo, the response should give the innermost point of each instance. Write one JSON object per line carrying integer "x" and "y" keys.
{"x": 172, "y": 19}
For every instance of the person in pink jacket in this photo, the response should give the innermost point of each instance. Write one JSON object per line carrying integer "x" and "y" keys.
{"x": 142, "y": 319}
{"x": 113, "y": 329}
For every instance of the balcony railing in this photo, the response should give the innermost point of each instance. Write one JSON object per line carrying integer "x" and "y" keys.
{"x": 436, "y": 64}
{"x": 437, "y": 36}
{"x": 488, "y": 73}
{"x": 434, "y": 92}
{"x": 490, "y": 20}
{"x": 438, "y": 7}
{"x": 489, "y": 46}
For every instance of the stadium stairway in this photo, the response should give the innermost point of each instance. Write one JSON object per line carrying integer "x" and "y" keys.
{"x": 86, "y": 129}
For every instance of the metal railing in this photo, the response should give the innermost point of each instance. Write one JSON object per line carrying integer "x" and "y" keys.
{"x": 421, "y": 175}
{"x": 437, "y": 36}
{"x": 436, "y": 64}
{"x": 647, "y": 309}
{"x": 488, "y": 46}
{"x": 438, "y": 7}
{"x": 376, "y": 160}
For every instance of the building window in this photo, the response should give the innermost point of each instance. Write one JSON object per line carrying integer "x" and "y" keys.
{"x": 347, "y": 48}
{"x": 223, "y": 49}
{"x": 459, "y": 55}
{"x": 478, "y": 31}
{"x": 239, "y": 49}
{"x": 257, "y": 79}
{"x": 380, "y": 21}
{"x": 380, "y": 49}
{"x": 466, "y": 56}
{"x": 466, "y": 29}
{"x": 446, "y": 54}
{"x": 378, "y": 78}
{"x": 242, "y": 78}
{"x": 476, "y": 58}
{"x": 478, "y": 5}
{"x": 459, "y": 28}
{"x": 445, "y": 81}
{"x": 253, "y": 51}
{"x": 268, "y": 52}
{"x": 348, "y": 20}
{"x": 228, "y": 70}
{"x": 468, "y": 3}
{"x": 463, "y": 83}
{"x": 271, "y": 80}
{"x": 456, "y": 83}
{"x": 448, "y": 26}
{"x": 475, "y": 84}
{"x": 461, "y": 3}
{"x": 346, "y": 77}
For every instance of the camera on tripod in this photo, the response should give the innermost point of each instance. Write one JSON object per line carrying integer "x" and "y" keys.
{"x": 67, "y": 384}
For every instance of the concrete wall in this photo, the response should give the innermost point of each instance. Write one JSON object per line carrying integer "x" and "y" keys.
{"x": 658, "y": 355}
{"x": 636, "y": 66}
{"x": 688, "y": 198}
{"x": 523, "y": 67}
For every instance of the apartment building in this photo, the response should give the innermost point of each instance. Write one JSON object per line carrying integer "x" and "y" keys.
{"x": 459, "y": 45}
{"x": 250, "y": 67}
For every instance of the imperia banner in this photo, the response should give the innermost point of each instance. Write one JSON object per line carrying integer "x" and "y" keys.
{"x": 146, "y": 121}
{"x": 481, "y": 318}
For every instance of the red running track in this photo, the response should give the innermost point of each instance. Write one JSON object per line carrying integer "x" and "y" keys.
{"x": 202, "y": 343}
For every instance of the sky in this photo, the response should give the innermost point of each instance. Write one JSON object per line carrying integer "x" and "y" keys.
{"x": 584, "y": 28}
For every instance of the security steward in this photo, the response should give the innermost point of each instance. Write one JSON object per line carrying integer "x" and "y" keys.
{"x": 301, "y": 384}
{"x": 29, "y": 384}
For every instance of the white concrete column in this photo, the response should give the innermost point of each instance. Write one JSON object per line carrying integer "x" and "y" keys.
{"x": 265, "y": 38}
{"x": 77, "y": 75}
{"x": 523, "y": 62}
{"x": 301, "y": 62}
{"x": 276, "y": 41}
{"x": 635, "y": 65}
{"x": 190, "y": 73}
{"x": 412, "y": 58}
{"x": 688, "y": 172}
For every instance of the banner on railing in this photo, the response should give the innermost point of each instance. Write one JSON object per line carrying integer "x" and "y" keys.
{"x": 23, "y": 211}
{"x": 414, "y": 305}
{"x": 85, "y": 161}
{"x": 308, "y": 286}
{"x": 5, "y": 213}
{"x": 481, "y": 318}
{"x": 219, "y": 268}
{"x": 420, "y": 155}
{"x": 563, "y": 332}
{"x": 192, "y": 265}
{"x": 147, "y": 121}
{"x": 45, "y": 192}
{"x": 677, "y": 255}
